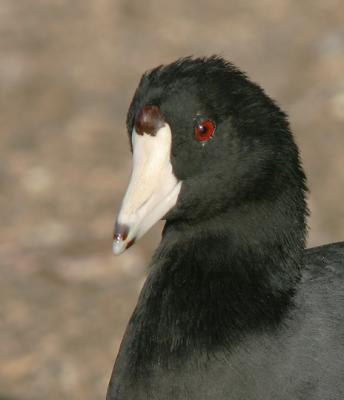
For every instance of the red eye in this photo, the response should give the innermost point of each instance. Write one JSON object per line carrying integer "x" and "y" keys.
{"x": 205, "y": 130}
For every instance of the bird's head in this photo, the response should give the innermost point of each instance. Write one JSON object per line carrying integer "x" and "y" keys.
{"x": 205, "y": 141}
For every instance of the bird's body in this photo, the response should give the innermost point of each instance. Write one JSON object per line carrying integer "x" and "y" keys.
{"x": 302, "y": 358}
{"x": 233, "y": 306}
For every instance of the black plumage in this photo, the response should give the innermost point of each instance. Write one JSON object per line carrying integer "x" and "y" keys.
{"x": 233, "y": 306}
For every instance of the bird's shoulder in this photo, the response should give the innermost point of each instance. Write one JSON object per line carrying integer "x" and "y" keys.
{"x": 324, "y": 262}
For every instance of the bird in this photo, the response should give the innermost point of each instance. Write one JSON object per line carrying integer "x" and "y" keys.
{"x": 234, "y": 305}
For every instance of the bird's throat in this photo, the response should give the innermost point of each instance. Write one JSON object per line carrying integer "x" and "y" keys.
{"x": 206, "y": 292}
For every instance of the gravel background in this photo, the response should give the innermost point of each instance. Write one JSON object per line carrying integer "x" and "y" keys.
{"x": 68, "y": 70}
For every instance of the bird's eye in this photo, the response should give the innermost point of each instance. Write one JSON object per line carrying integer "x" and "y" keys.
{"x": 204, "y": 130}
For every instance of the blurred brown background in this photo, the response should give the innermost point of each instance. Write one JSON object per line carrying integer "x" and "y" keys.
{"x": 68, "y": 70}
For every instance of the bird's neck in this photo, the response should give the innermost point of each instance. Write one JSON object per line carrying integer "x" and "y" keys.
{"x": 210, "y": 288}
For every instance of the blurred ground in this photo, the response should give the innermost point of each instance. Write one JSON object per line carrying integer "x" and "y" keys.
{"x": 67, "y": 73}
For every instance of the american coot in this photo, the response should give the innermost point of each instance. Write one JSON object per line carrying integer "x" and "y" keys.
{"x": 233, "y": 306}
